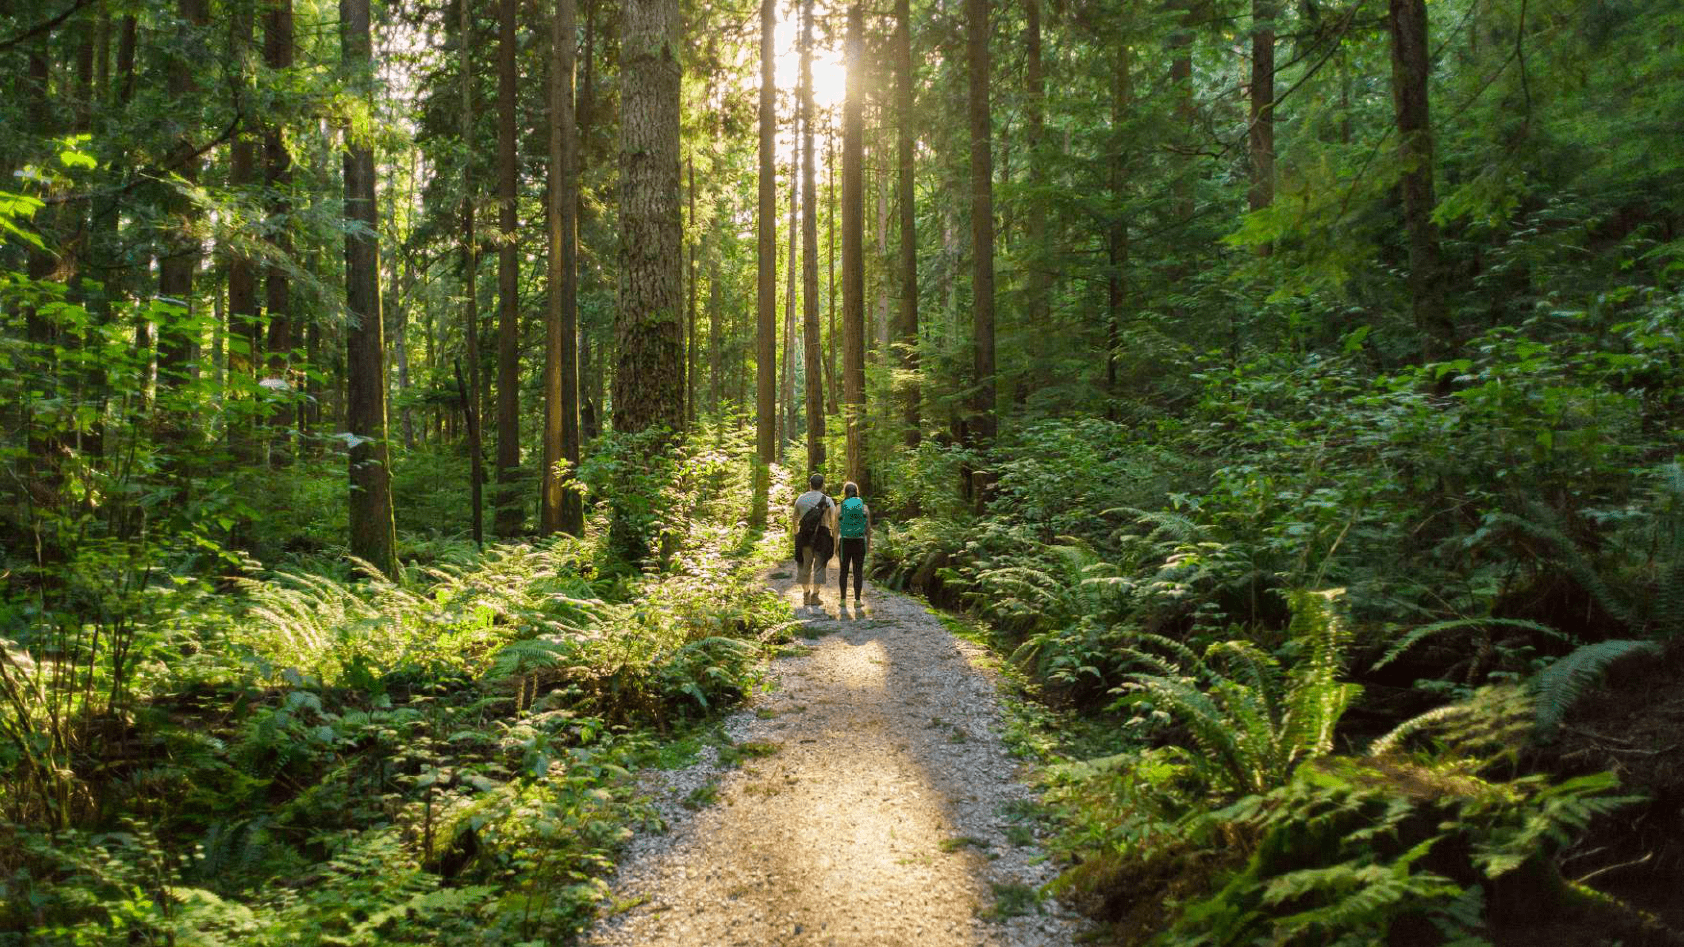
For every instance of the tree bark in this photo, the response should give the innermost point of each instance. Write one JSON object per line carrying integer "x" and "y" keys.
{"x": 509, "y": 517}
{"x": 788, "y": 422}
{"x": 561, "y": 508}
{"x": 830, "y": 267}
{"x": 1262, "y": 137}
{"x": 1039, "y": 302}
{"x": 1117, "y": 239}
{"x": 243, "y": 317}
{"x": 649, "y": 331}
{"x": 373, "y": 532}
{"x": 982, "y": 424}
{"x": 182, "y": 250}
{"x": 1407, "y": 23}
{"x": 470, "y": 271}
{"x": 278, "y": 55}
{"x": 690, "y": 303}
{"x": 853, "y": 248}
{"x": 766, "y": 254}
{"x": 810, "y": 253}
{"x": 907, "y": 331}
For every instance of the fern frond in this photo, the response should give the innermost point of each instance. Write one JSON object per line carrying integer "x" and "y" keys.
{"x": 1559, "y": 686}
{"x": 1420, "y": 634}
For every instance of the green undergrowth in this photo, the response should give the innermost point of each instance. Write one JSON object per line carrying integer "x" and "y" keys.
{"x": 323, "y": 755}
{"x": 1292, "y": 658}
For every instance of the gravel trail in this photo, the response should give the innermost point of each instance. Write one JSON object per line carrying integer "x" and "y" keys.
{"x": 887, "y": 814}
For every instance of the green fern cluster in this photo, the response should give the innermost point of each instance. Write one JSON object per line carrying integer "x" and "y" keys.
{"x": 1253, "y": 721}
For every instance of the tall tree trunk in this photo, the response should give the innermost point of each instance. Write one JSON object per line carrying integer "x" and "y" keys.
{"x": 982, "y": 423}
{"x": 766, "y": 227}
{"x": 690, "y": 303}
{"x": 1181, "y": 87}
{"x": 508, "y": 520}
{"x": 1262, "y": 193}
{"x": 789, "y": 292}
{"x": 1117, "y": 239}
{"x": 278, "y": 55}
{"x": 810, "y": 253}
{"x": 373, "y": 532}
{"x": 1407, "y": 22}
{"x": 591, "y": 376}
{"x": 830, "y": 266}
{"x": 243, "y": 317}
{"x": 1038, "y": 308}
{"x": 906, "y": 144}
{"x": 182, "y": 249}
{"x": 470, "y": 271}
{"x": 853, "y": 248}
{"x": 649, "y": 331}
{"x": 562, "y": 508}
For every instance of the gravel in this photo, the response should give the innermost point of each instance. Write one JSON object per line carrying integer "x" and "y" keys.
{"x": 879, "y": 817}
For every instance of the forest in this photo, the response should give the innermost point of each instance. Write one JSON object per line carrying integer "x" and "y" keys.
{"x": 401, "y": 403}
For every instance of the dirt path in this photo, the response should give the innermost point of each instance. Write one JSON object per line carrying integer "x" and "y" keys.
{"x": 886, "y": 815}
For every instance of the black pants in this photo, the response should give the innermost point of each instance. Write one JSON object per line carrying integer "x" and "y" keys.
{"x": 852, "y": 551}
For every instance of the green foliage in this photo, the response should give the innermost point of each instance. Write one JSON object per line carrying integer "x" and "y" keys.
{"x": 1560, "y": 685}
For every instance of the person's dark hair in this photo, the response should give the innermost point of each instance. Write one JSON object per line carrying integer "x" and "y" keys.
{"x": 816, "y": 481}
{"x": 850, "y": 489}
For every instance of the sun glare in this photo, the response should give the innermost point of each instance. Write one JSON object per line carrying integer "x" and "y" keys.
{"x": 830, "y": 77}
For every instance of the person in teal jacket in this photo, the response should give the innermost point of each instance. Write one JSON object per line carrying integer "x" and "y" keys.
{"x": 853, "y": 522}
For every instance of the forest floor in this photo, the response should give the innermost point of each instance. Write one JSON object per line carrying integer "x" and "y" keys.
{"x": 875, "y": 803}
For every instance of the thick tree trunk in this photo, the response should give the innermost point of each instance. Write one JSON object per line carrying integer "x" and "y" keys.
{"x": 810, "y": 253}
{"x": 982, "y": 423}
{"x": 373, "y": 533}
{"x": 561, "y": 508}
{"x": 853, "y": 248}
{"x": 470, "y": 271}
{"x": 649, "y": 331}
{"x": 182, "y": 249}
{"x": 1181, "y": 87}
{"x": 278, "y": 55}
{"x": 907, "y": 332}
{"x": 1407, "y": 23}
{"x": 766, "y": 225}
{"x": 509, "y": 518}
{"x": 1262, "y": 193}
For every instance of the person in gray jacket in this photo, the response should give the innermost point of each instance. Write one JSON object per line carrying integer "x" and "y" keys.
{"x": 814, "y": 529}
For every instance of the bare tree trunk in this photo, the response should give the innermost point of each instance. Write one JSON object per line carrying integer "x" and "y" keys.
{"x": 470, "y": 272}
{"x": 243, "y": 317}
{"x": 1117, "y": 240}
{"x": 853, "y": 248}
{"x": 907, "y": 331}
{"x": 830, "y": 266}
{"x": 810, "y": 253}
{"x": 180, "y": 259}
{"x": 690, "y": 302}
{"x": 561, "y": 507}
{"x": 649, "y": 331}
{"x": 1262, "y": 192}
{"x": 373, "y": 533}
{"x": 982, "y": 424}
{"x": 766, "y": 394}
{"x": 278, "y": 55}
{"x": 1039, "y": 300}
{"x": 788, "y": 423}
{"x": 1407, "y": 23}
{"x": 509, "y": 518}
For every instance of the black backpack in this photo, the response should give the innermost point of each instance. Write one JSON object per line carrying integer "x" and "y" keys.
{"x": 813, "y": 534}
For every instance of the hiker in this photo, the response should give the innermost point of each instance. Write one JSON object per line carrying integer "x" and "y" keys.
{"x": 815, "y": 532}
{"x": 853, "y": 521}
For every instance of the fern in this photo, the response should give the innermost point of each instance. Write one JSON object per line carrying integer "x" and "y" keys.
{"x": 1560, "y": 685}
{"x": 1422, "y": 633}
